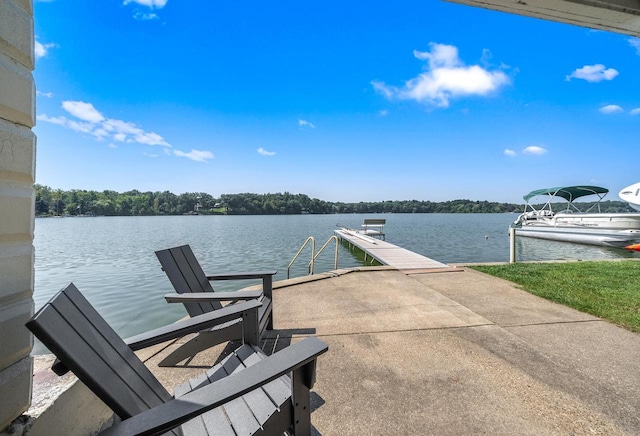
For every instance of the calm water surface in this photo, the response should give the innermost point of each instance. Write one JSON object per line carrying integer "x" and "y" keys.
{"x": 112, "y": 261}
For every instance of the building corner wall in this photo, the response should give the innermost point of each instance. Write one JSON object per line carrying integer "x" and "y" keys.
{"x": 17, "y": 176}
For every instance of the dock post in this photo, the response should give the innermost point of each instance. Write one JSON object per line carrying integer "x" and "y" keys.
{"x": 512, "y": 245}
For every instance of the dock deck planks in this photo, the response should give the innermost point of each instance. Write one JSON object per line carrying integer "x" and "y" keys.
{"x": 389, "y": 254}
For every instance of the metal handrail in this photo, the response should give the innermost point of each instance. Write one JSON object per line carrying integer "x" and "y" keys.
{"x": 313, "y": 250}
{"x": 335, "y": 261}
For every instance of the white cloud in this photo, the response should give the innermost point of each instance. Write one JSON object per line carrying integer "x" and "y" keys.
{"x": 535, "y": 150}
{"x": 100, "y": 133}
{"x": 610, "y": 109}
{"x": 635, "y": 43}
{"x": 593, "y": 73}
{"x": 81, "y": 127}
{"x": 196, "y": 155}
{"x": 264, "y": 152}
{"x": 510, "y": 153}
{"x": 383, "y": 89}
{"x": 82, "y": 110}
{"x": 122, "y": 127}
{"x": 635, "y": 111}
{"x": 91, "y": 121}
{"x": 383, "y": 113}
{"x": 144, "y": 17}
{"x": 61, "y": 121}
{"x": 44, "y": 94}
{"x": 41, "y": 50}
{"x": 153, "y": 4}
{"x": 304, "y": 123}
{"x": 445, "y": 77}
{"x": 486, "y": 57}
{"x": 150, "y": 138}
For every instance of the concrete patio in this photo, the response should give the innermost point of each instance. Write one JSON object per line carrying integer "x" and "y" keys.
{"x": 449, "y": 353}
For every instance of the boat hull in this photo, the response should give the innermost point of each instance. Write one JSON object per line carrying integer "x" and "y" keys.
{"x": 582, "y": 235}
{"x": 618, "y": 221}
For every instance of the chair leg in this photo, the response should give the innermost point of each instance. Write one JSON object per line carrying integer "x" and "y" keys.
{"x": 267, "y": 288}
{"x": 301, "y": 403}
{"x": 251, "y": 327}
{"x": 202, "y": 341}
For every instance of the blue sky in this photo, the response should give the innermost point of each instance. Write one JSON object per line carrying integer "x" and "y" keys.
{"x": 343, "y": 101}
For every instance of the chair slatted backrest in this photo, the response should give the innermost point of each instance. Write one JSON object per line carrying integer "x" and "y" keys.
{"x": 186, "y": 275}
{"x": 76, "y": 333}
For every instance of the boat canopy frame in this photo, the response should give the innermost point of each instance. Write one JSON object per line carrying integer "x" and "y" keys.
{"x": 568, "y": 193}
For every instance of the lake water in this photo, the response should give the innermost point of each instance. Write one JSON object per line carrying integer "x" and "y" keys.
{"x": 112, "y": 261}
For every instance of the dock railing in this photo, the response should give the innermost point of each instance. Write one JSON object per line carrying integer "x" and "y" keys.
{"x": 314, "y": 255}
{"x": 335, "y": 261}
{"x": 313, "y": 250}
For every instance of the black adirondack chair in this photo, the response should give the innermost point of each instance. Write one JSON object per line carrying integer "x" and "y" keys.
{"x": 245, "y": 393}
{"x": 189, "y": 279}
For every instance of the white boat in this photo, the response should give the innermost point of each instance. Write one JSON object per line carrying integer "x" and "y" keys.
{"x": 631, "y": 194}
{"x": 571, "y": 224}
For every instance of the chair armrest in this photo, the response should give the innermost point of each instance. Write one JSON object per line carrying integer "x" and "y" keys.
{"x": 242, "y": 275}
{"x": 266, "y": 276}
{"x": 177, "y": 411}
{"x": 192, "y": 325}
{"x": 195, "y": 297}
{"x": 181, "y": 328}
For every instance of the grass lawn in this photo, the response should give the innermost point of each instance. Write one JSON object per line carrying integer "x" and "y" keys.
{"x": 609, "y": 290}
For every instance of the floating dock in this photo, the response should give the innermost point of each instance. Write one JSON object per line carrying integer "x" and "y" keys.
{"x": 389, "y": 254}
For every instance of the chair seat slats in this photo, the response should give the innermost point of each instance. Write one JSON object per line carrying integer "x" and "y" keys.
{"x": 198, "y": 381}
{"x": 278, "y": 390}
{"x": 258, "y": 405}
{"x": 181, "y": 389}
{"x": 259, "y": 401}
{"x": 241, "y": 417}
{"x": 194, "y": 427}
{"x": 217, "y": 423}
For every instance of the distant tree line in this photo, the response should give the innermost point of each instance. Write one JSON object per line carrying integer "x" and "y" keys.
{"x": 50, "y": 202}
{"x": 111, "y": 203}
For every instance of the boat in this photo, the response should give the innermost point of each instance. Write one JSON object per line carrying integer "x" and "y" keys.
{"x": 561, "y": 219}
{"x": 631, "y": 194}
